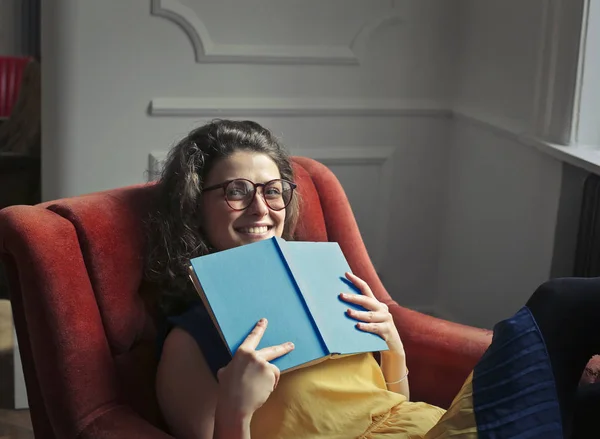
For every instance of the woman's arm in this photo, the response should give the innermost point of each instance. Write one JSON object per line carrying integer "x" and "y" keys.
{"x": 195, "y": 406}
{"x": 187, "y": 394}
{"x": 393, "y": 366}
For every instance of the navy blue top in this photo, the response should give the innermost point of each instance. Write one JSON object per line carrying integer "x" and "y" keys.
{"x": 198, "y": 323}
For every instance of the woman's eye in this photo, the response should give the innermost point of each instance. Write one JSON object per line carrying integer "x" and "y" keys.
{"x": 273, "y": 192}
{"x": 235, "y": 193}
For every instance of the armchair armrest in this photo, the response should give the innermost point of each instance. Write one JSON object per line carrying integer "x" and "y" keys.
{"x": 70, "y": 371}
{"x": 120, "y": 421}
{"x": 440, "y": 354}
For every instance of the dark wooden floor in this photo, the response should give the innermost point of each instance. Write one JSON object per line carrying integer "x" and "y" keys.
{"x": 15, "y": 424}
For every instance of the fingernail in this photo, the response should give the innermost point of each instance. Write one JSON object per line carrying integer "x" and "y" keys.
{"x": 342, "y": 295}
{"x": 348, "y": 311}
{"x": 262, "y": 321}
{"x": 291, "y": 345}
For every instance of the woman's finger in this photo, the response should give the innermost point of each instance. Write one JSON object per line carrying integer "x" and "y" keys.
{"x": 253, "y": 339}
{"x": 277, "y": 351}
{"x": 374, "y": 328}
{"x": 370, "y": 303}
{"x": 360, "y": 284}
{"x": 276, "y": 373}
{"x": 368, "y": 316}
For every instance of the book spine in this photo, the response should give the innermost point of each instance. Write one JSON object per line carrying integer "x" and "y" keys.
{"x": 279, "y": 244}
{"x": 194, "y": 278}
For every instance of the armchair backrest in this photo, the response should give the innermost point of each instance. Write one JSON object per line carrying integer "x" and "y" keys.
{"x": 84, "y": 324}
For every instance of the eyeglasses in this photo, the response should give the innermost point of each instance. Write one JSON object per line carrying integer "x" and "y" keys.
{"x": 240, "y": 193}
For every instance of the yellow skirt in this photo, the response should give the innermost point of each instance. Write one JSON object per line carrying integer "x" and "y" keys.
{"x": 510, "y": 393}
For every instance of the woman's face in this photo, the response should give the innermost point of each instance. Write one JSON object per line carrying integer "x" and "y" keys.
{"x": 226, "y": 228}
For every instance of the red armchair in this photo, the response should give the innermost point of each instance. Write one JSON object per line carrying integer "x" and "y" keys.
{"x": 84, "y": 316}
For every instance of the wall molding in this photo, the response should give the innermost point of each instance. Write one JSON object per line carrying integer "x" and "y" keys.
{"x": 358, "y": 46}
{"x": 372, "y": 155}
{"x": 156, "y": 161}
{"x": 207, "y": 51}
{"x": 294, "y": 107}
{"x": 500, "y": 127}
{"x": 326, "y": 107}
{"x": 584, "y": 157}
{"x": 331, "y": 107}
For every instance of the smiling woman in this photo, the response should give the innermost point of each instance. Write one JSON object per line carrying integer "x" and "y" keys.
{"x": 209, "y": 188}
{"x": 227, "y": 184}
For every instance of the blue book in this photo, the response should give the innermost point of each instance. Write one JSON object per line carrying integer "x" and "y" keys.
{"x": 295, "y": 286}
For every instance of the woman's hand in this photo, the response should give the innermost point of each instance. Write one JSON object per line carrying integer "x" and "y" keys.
{"x": 378, "y": 320}
{"x": 377, "y": 317}
{"x": 249, "y": 379}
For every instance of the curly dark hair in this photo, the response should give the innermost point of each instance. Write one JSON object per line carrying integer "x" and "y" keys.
{"x": 174, "y": 228}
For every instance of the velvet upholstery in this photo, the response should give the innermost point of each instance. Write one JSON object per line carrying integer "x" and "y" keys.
{"x": 84, "y": 316}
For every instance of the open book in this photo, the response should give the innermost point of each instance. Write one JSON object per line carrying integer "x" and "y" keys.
{"x": 295, "y": 286}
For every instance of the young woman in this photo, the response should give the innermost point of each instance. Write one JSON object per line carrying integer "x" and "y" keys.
{"x": 230, "y": 183}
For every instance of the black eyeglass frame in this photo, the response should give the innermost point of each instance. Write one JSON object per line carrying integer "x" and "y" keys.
{"x": 224, "y": 185}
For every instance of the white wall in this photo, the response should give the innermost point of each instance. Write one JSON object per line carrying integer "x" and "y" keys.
{"x": 502, "y": 196}
{"x": 499, "y": 45}
{"x": 363, "y": 85}
{"x": 9, "y": 27}
{"x": 468, "y": 228}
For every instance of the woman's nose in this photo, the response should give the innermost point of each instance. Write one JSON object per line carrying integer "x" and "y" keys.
{"x": 259, "y": 205}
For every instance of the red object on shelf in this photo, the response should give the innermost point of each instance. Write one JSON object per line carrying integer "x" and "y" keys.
{"x": 11, "y": 76}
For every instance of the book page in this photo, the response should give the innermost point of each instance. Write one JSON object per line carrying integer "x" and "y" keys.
{"x": 319, "y": 268}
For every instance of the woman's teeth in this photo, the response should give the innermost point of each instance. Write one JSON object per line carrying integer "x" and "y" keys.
{"x": 255, "y": 230}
